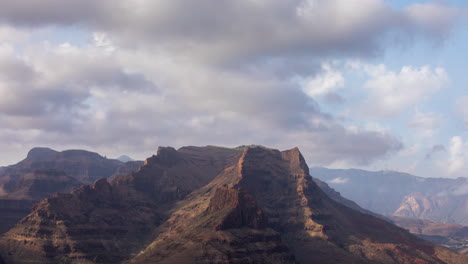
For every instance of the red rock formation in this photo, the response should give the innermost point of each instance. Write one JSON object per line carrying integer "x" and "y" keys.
{"x": 212, "y": 205}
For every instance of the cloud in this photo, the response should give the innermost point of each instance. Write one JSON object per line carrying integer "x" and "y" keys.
{"x": 177, "y": 73}
{"x": 391, "y": 93}
{"x": 243, "y": 30}
{"x": 323, "y": 83}
{"x": 98, "y": 94}
{"x": 426, "y": 123}
{"x": 339, "y": 180}
{"x": 435, "y": 149}
{"x": 454, "y": 164}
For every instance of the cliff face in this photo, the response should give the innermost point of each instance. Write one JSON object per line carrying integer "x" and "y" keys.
{"x": 211, "y": 205}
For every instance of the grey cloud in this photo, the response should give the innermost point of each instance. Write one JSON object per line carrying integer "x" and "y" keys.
{"x": 334, "y": 98}
{"x": 242, "y": 31}
{"x": 435, "y": 149}
{"x": 195, "y": 76}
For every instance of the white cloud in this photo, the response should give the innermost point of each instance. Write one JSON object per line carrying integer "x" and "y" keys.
{"x": 455, "y": 164}
{"x": 426, "y": 123}
{"x": 325, "y": 82}
{"x": 339, "y": 180}
{"x": 391, "y": 93}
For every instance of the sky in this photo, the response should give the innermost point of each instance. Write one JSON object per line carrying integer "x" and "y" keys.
{"x": 371, "y": 84}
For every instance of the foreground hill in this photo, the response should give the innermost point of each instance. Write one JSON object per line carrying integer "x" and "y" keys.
{"x": 400, "y": 194}
{"x": 211, "y": 205}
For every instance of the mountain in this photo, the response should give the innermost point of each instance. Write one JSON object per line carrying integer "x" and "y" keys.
{"x": 211, "y": 205}
{"x": 125, "y": 158}
{"x": 394, "y": 193}
{"x": 38, "y": 184}
{"x": 336, "y": 196}
{"x": 45, "y": 171}
{"x": 445, "y": 207}
{"x": 454, "y": 236}
{"x": 82, "y": 165}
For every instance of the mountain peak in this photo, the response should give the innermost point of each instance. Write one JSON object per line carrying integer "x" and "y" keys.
{"x": 41, "y": 153}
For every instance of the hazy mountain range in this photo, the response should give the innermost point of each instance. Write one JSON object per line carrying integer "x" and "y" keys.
{"x": 393, "y": 193}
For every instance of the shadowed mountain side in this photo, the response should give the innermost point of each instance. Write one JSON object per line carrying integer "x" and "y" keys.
{"x": 82, "y": 165}
{"x": 211, "y": 205}
{"x": 44, "y": 172}
{"x": 336, "y": 196}
{"x": 105, "y": 223}
{"x": 29, "y": 188}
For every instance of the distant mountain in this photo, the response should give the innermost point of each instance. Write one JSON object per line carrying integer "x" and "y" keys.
{"x": 401, "y": 194}
{"x": 454, "y": 236}
{"x": 211, "y": 205}
{"x": 40, "y": 183}
{"x": 336, "y": 196}
{"x": 82, "y": 165}
{"x": 45, "y": 171}
{"x": 125, "y": 158}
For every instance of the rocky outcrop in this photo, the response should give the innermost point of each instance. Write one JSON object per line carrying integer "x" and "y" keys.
{"x": 242, "y": 210}
{"x": 443, "y": 207}
{"x": 211, "y": 205}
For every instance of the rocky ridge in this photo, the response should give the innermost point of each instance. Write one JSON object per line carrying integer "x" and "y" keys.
{"x": 211, "y": 205}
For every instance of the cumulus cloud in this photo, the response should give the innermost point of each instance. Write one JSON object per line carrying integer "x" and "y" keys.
{"x": 390, "y": 93}
{"x": 174, "y": 72}
{"x": 454, "y": 164}
{"x": 65, "y": 98}
{"x": 323, "y": 83}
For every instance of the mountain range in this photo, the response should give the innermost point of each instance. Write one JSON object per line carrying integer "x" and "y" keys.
{"x": 391, "y": 193}
{"x": 44, "y": 172}
{"x": 211, "y": 205}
